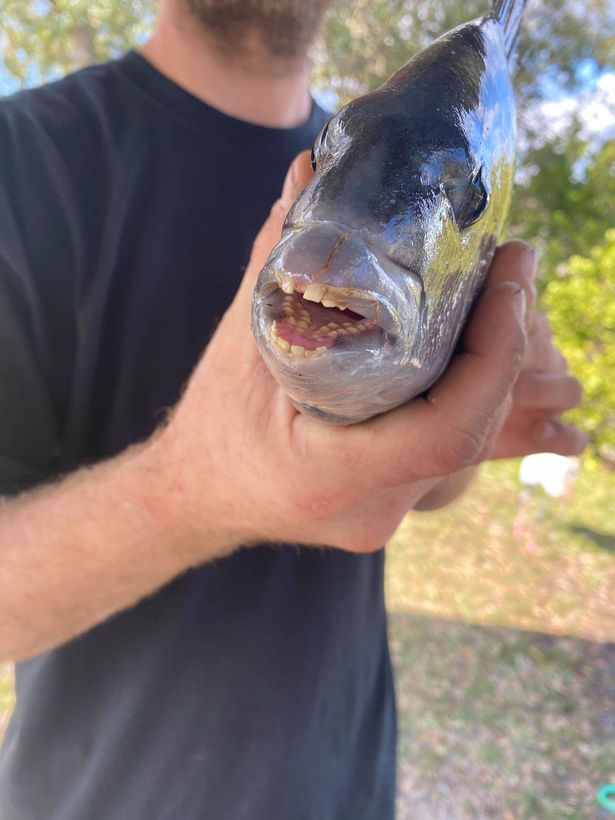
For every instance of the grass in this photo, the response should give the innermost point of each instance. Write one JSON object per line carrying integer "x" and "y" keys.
{"x": 463, "y": 563}
{"x": 500, "y": 723}
{"x": 504, "y": 651}
{"x": 505, "y": 677}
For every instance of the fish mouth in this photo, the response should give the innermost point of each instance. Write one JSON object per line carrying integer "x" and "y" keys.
{"x": 308, "y": 319}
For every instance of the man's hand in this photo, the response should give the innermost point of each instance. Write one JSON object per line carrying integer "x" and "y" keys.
{"x": 237, "y": 464}
{"x": 544, "y": 389}
{"x": 530, "y": 417}
{"x": 236, "y": 447}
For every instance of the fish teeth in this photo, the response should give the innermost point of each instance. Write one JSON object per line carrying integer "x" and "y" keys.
{"x": 314, "y": 293}
{"x": 286, "y": 284}
{"x": 282, "y": 344}
{"x": 333, "y": 303}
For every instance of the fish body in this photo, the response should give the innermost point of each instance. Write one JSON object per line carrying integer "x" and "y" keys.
{"x": 360, "y": 305}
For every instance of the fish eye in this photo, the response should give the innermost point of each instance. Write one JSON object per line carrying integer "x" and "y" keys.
{"x": 320, "y": 146}
{"x": 468, "y": 198}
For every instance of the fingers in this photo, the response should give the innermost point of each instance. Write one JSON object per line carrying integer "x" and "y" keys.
{"x": 298, "y": 176}
{"x": 541, "y": 353}
{"x": 448, "y": 430}
{"x": 515, "y": 261}
{"x": 538, "y": 435}
{"x": 551, "y": 393}
{"x": 553, "y": 436}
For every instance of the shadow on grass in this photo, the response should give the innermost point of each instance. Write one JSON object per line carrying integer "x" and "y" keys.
{"x": 600, "y": 539}
{"x": 501, "y": 723}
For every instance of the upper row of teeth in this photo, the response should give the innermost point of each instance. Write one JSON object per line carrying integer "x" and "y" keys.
{"x": 313, "y": 293}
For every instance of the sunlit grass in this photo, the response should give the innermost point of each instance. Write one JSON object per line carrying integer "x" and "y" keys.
{"x": 464, "y": 563}
{"x": 505, "y": 722}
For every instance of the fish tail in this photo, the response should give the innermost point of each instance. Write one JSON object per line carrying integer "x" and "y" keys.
{"x": 508, "y": 13}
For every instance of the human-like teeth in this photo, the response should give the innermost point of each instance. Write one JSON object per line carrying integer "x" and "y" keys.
{"x": 286, "y": 284}
{"x": 314, "y": 293}
{"x": 282, "y": 344}
{"x": 294, "y": 350}
{"x": 331, "y": 303}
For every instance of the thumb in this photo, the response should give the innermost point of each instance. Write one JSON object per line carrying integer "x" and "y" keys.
{"x": 297, "y": 177}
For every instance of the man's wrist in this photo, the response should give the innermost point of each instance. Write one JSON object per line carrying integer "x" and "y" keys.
{"x": 192, "y": 522}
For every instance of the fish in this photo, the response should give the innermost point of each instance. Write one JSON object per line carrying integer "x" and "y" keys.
{"x": 360, "y": 305}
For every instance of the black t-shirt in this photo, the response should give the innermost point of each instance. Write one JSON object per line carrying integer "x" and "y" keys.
{"x": 254, "y": 688}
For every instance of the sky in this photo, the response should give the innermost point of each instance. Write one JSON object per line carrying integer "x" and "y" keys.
{"x": 593, "y": 104}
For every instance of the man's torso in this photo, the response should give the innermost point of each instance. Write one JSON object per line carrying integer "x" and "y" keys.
{"x": 253, "y": 688}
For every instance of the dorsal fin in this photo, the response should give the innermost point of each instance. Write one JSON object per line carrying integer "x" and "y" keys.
{"x": 509, "y": 13}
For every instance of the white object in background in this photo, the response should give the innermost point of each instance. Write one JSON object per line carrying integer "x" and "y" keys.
{"x": 553, "y": 473}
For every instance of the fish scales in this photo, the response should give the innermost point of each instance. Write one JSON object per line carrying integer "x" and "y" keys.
{"x": 360, "y": 305}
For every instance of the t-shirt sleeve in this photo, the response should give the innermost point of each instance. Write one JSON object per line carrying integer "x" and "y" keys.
{"x": 28, "y": 419}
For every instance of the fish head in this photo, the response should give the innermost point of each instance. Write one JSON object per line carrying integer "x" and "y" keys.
{"x": 339, "y": 307}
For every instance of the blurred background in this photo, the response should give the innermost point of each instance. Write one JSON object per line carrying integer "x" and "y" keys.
{"x": 502, "y": 608}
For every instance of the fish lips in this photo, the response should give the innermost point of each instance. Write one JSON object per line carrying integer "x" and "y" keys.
{"x": 356, "y": 376}
{"x": 330, "y": 261}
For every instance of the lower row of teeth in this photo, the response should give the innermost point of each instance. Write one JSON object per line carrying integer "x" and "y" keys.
{"x": 294, "y": 350}
{"x": 298, "y": 317}
{"x": 332, "y": 330}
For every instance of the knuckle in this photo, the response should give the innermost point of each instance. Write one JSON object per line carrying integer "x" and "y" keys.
{"x": 459, "y": 450}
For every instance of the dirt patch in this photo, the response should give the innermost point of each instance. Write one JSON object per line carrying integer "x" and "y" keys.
{"x": 501, "y": 723}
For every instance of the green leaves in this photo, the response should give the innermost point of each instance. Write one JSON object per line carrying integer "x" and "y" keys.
{"x": 560, "y": 212}
{"x": 40, "y": 39}
{"x": 581, "y": 306}
{"x": 366, "y": 41}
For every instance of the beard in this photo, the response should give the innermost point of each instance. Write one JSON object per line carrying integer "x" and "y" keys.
{"x": 285, "y": 28}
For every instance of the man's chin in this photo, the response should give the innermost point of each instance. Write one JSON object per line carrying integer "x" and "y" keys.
{"x": 286, "y": 28}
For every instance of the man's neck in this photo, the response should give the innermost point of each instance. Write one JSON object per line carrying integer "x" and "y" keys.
{"x": 249, "y": 88}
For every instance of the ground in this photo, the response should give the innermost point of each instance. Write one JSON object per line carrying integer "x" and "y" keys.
{"x": 504, "y": 653}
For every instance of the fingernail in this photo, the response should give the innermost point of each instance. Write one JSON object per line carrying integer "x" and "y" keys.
{"x": 519, "y": 304}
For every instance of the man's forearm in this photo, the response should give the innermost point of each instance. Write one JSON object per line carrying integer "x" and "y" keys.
{"x": 74, "y": 553}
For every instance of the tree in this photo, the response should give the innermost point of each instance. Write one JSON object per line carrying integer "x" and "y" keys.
{"x": 581, "y": 306}
{"x": 364, "y": 41}
{"x": 367, "y": 40}
{"x": 568, "y": 202}
{"x": 40, "y": 39}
